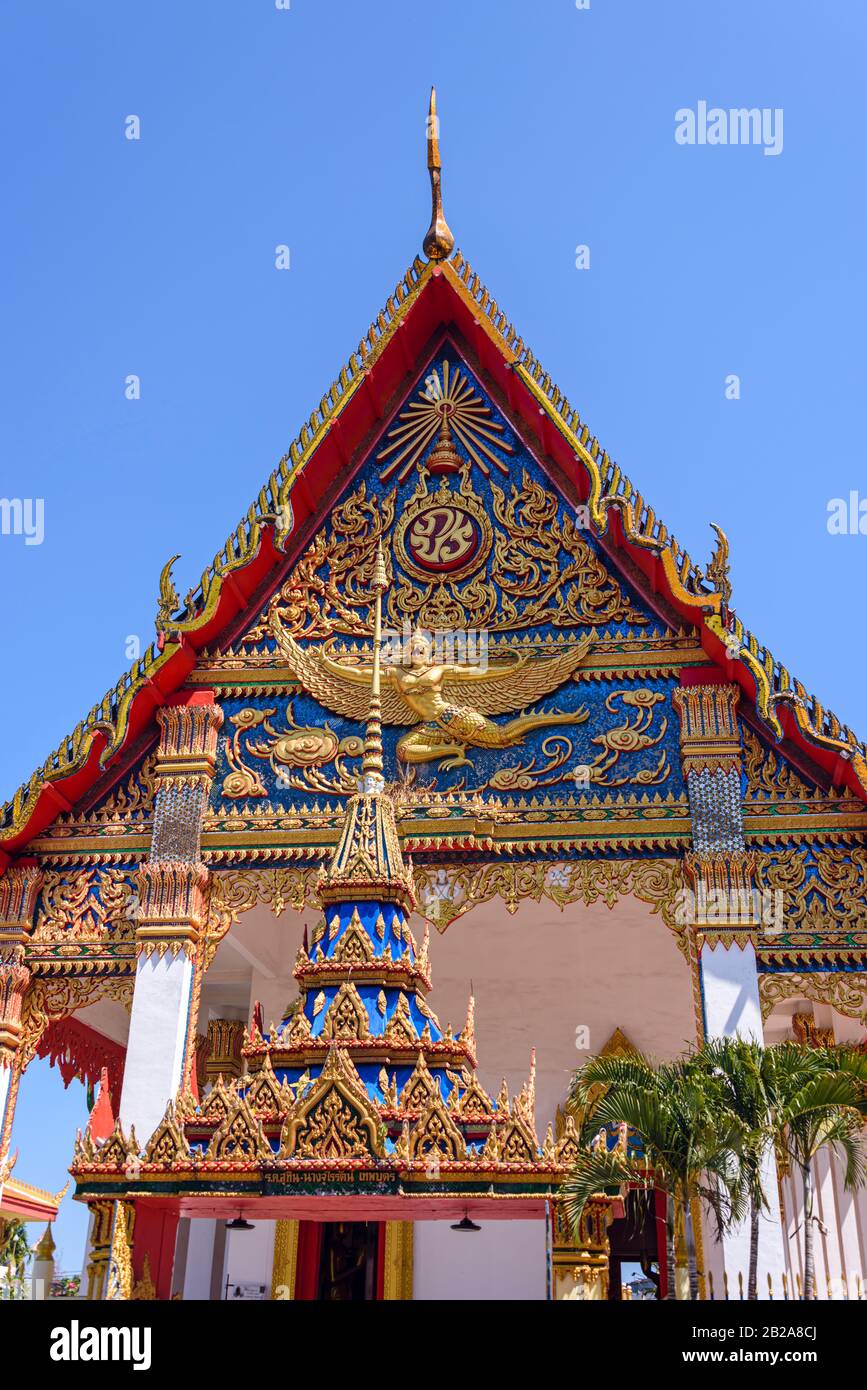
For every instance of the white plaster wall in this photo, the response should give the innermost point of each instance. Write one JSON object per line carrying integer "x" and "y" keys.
{"x": 108, "y": 1018}
{"x": 250, "y": 1255}
{"x": 200, "y": 1254}
{"x": 560, "y": 982}
{"x": 157, "y": 1032}
{"x": 254, "y": 961}
{"x": 840, "y": 1251}
{"x": 505, "y": 1260}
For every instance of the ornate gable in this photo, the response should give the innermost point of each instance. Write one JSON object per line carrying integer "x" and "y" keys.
{"x": 346, "y": 1016}
{"x": 168, "y": 1144}
{"x": 240, "y": 1137}
{"x": 480, "y": 529}
{"x": 335, "y": 1120}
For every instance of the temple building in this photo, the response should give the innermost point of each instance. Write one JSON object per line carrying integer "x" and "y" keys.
{"x": 452, "y": 771}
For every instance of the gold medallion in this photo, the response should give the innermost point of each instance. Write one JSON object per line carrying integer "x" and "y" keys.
{"x": 444, "y": 536}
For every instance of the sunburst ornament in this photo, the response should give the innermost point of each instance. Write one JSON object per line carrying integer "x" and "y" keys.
{"x": 446, "y": 404}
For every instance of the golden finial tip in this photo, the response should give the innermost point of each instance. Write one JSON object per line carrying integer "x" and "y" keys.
{"x": 433, "y": 133}
{"x": 439, "y": 241}
{"x": 379, "y": 579}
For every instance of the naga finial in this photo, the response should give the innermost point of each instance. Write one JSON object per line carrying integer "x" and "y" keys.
{"x": 439, "y": 241}
{"x": 169, "y": 600}
{"x": 718, "y": 573}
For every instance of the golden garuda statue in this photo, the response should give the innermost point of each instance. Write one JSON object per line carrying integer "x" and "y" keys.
{"x": 451, "y": 702}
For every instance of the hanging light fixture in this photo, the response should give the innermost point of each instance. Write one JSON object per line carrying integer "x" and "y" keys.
{"x": 465, "y": 1224}
{"x": 239, "y": 1224}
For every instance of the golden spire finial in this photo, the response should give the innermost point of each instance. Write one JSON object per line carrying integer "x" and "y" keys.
{"x": 371, "y": 765}
{"x": 438, "y": 242}
{"x": 46, "y": 1247}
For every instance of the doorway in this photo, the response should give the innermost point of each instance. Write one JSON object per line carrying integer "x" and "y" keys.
{"x": 348, "y": 1260}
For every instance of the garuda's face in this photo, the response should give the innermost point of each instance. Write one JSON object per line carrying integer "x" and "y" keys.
{"x": 419, "y": 650}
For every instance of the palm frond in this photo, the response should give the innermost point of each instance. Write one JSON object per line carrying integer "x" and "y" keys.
{"x": 603, "y": 1170}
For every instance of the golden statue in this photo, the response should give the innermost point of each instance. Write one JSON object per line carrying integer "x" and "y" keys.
{"x": 451, "y": 702}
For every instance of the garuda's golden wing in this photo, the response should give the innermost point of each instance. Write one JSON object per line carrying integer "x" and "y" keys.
{"x": 342, "y": 688}
{"x": 502, "y": 689}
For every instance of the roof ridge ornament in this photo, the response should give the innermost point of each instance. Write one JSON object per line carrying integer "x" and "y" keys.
{"x": 439, "y": 242}
{"x": 170, "y": 599}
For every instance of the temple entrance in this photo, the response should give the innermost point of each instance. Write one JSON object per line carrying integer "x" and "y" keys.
{"x": 348, "y": 1262}
{"x": 634, "y": 1263}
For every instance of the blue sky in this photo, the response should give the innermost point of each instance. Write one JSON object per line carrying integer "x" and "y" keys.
{"x": 262, "y": 126}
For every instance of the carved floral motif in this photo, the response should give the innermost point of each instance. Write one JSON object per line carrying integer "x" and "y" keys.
{"x": 541, "y": 571}
{"x": 447, "y": 893}
{"x": 85, "y": 904}
{"x": 823, "y": 890}
{"x": 844, "y": 990}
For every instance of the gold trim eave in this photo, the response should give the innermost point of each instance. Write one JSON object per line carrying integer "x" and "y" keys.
{"x": 435, "y": 834}
{"x": 645, "y": 658}
{"x": 763, "y": 826}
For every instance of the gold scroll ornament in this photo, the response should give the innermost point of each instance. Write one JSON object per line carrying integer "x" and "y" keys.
{"x": 294, "y": 753}
{"x": 633, "y": 735}
{"x": 539, "y": 568}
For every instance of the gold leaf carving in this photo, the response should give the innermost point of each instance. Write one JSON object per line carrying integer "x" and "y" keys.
{"x": 844, "y": 990}
{"x": 541, "y": 571}
{"x": 83, "y": 903}
{"x": 769, "y": 775}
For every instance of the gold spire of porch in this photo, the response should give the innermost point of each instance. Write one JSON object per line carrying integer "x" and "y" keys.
{"x": 368, "y": 863}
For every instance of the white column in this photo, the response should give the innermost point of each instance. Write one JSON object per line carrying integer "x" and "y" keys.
{"x": 730, "y": 989}
{"x": 157, "y": 1039}
{"x": 5, "y": 1082}
{"x": 730, "y": 994}
{"x": 172, "y": 890}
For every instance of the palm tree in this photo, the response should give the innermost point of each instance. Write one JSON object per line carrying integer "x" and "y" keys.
{"x": 687, "y": 1138}
{"x": 795, "y": 1098}
{"x": 825, "y": 1106}
{"x": 747, "y": 1072}
{"x": 14, "y": 1252}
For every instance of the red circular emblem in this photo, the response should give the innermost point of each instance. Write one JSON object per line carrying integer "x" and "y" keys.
{"x": 443, "y": 538}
